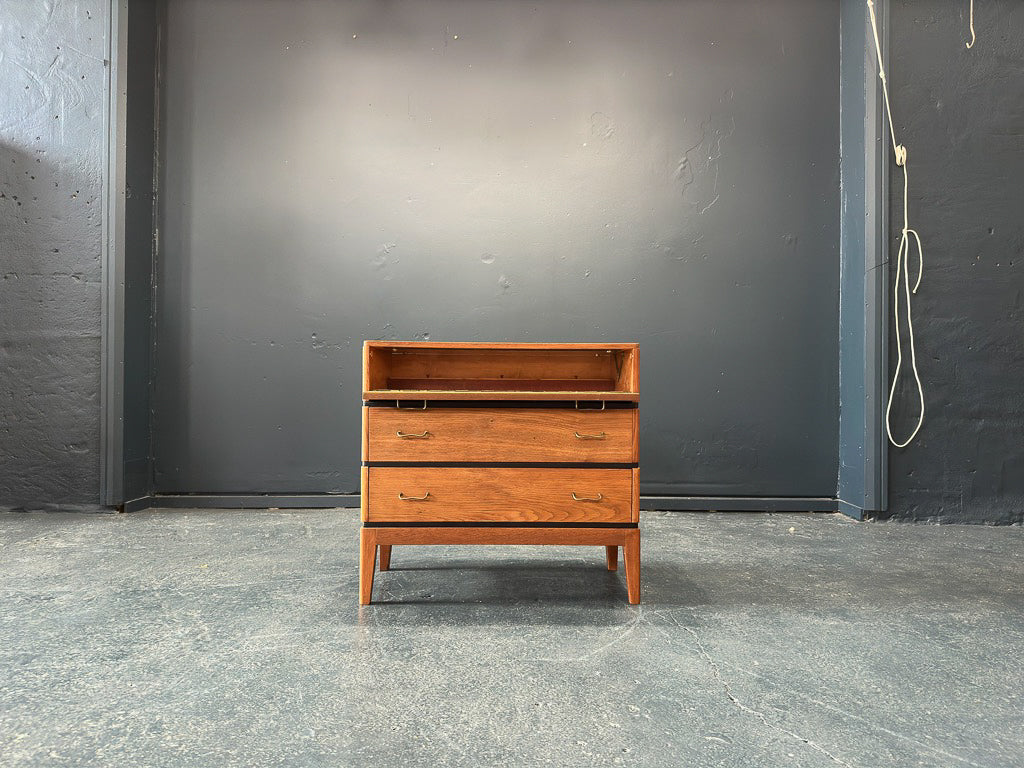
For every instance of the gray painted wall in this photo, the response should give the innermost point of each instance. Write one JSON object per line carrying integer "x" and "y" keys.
{"x": 961, "y": 111}
{"x": 52, "y": 137}
{"x": 650, "y": 171}
{"x": 961, "y": 115}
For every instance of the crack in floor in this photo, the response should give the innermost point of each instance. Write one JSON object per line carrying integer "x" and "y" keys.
{"x": 717, "y": 673}
{"x": 869, "y": 723}
{"x": 638, "y": 619}
{"x": 716, "y": 670}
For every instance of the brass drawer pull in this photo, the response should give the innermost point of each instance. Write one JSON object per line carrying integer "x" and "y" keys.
{"x": 424, "y": 497}
{"x": 587, "y": 498}
{"x": 412, "y": 435}
{"x": 598, "y": 436}
{"x": 398, "y": 406}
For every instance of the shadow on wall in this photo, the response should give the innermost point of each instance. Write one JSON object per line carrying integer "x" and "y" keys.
{"x": 50, "y": 341}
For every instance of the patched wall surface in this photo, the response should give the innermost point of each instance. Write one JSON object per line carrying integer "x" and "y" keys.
{"x": 960, "y": 113}
{"x": 52, "y": 136}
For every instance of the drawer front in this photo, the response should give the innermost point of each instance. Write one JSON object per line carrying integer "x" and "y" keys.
{"x": 486, "y": 494}
{"x": 499, "y": 435}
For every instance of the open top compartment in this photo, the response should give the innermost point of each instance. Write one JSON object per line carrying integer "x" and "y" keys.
{"x": 478, "y": 371}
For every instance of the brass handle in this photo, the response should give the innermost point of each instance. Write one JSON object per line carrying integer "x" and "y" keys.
{"x": 598, "y": 436}
{"x": 398, "y": 406}
{"x": 424, "y": 497}
{"x": 412, "y": 435}
{"x": 587, "y": 498}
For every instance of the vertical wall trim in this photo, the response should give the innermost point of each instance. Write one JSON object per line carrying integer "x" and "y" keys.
{"x": 876, "y": 281}
{"x": 112, "y": 261}
{"x": 863, "y": 342}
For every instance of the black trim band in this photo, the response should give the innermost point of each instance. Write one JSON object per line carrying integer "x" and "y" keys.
{"x": 571, "y": 405}
{"x": 665, "y": 503}
{"x": 499, "y": 525}
{"x": 505, "y": 464}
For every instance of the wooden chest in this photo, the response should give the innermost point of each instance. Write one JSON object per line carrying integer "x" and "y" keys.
{"x": 499, "y": 444}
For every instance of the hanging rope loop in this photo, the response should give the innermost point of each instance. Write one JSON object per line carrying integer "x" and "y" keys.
{"x": 973, "y": 36}
{"x": 902, "y": 263}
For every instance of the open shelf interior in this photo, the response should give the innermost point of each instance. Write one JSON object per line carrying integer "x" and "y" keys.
{"x": 559, "y": 372}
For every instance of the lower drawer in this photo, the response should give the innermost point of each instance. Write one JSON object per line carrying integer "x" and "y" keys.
{"x": 484, "y": 494}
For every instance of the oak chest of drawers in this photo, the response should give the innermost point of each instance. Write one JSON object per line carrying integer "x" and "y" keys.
{"x": 470, "y": 443}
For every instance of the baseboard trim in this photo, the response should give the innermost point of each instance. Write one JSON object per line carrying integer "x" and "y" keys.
{"x": 351, "y": 501}
{"x": 850, "y": 510}
{"x": 244, "y": 501}
{"x": 738, "y": 503}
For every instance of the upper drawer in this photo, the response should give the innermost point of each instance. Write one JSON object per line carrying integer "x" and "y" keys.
{"x": 501, "y": 435}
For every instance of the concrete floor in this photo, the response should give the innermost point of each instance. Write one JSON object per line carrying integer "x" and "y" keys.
{"x": 216, "y": 638}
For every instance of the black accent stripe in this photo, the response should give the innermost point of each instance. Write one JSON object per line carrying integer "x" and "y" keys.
{"x": 584, "y": 405}
{"x": 499, "y": 525}
{"x": 665, "y": 503}
{"x": 505, "y": 464}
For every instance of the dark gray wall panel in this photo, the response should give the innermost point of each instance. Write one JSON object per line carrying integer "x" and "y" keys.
{"x": 144, "y": 19}
{"x": 664, "y": 172}
{"x": 52, "y": 136}
{"x": 961, "y": 114}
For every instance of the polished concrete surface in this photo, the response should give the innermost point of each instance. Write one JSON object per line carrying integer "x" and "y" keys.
{"x": 233, "y": 638}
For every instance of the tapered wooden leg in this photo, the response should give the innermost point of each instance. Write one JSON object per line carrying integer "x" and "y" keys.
{"x": 612, "y": 554}
{"x": 367, "y": 561}
{"x": 385, "y": 556}
{"x": 631, "y": 554}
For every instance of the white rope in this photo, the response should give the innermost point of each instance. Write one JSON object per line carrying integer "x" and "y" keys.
{"x": 902, "y": 260}
{"x": 973, "y": 36}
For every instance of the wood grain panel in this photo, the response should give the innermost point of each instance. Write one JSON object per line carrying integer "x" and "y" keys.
{"x": 501, "y": 345}
{"x": 487, "y": 494}
{"x": 499, "y": 384}
{"x": 636, "y": 493}
{"x": 403, "y": 370}
{"x": 364, "y": 493}
{"x": 500, "y": 435}
{"x": 426, "y": 535}
{"x": 454, "y": 363}
{"x": 497, "y": 394}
